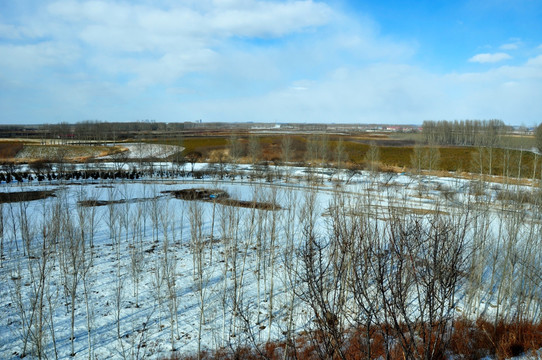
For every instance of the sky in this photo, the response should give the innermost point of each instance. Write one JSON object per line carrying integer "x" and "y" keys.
{"x": 306, "y": 61}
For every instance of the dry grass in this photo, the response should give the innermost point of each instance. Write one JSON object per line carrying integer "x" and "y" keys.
{"x": 475, "y": 340}
{"x": 10, "y": 149}
{"x": 469, "y": 340}
{"x": 203, "y": 144}
{"x": 509, "y": 163}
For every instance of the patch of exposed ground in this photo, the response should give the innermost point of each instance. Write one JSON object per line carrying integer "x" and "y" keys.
{"x": 95, "y": 202}
{"x": 382, "y": 212}
{"x": 220, "y": 197}
{"x": 198, "y": 194}
{"x": 19, "y": 196}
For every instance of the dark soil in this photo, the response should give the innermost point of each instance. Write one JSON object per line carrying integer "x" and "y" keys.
{"x": 95, "y": 202}
{"x": 89, "y": 203}
{"x": 250, "y": 204}
{"x": 220, "y": 197}
{"x": 11, "y": 197}
{"x": 198, "y": 194}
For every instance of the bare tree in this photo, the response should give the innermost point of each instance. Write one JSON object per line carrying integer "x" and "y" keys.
{"x": 169, "y": 266}
{"x": 120, "y": 158}
{"x": 254, "y": 149}
{"x": 417, "y": 159}
{"x": 273, "y": 238}
{"x": 538, "y": 136}
{"x": 200, "y": 272}
{"x": 137, "y": 263}
{"x": 86, "y": 226}
{"x": 290, "y": 265}
{"x": 72, "y": 265}
{"x": 29, "y": 284}
{"x": 193, "y": 157}
{"x": 229, "y": 225}
{"x": 323, "y": 290}
{"x": 312, "y": 157}
{"x": 235, "y": 149}
{"x": 433, "y": 158}
{"x": 286, "y": 153}
{"x": 372, "y": 158}
{"x": 425, "y": 264}
{"x": 340, "y": 157}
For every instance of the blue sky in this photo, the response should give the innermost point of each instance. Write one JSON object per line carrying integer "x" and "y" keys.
{"x": 339, "y": 61}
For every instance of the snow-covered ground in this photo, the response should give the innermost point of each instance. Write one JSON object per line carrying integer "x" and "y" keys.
{"x": 131, "y": 151}
{"x": 145, "y": 150}
{"x": 151, "y": 273}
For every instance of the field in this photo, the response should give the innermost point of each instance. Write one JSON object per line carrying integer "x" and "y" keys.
{"x": 509, "y": 162}
{"x": 172, "y": 264}
{"x": 395, "y": 152}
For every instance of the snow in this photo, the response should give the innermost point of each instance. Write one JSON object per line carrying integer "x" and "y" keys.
{"x": 153, "y": 228}
{"x": 145, "y": 150}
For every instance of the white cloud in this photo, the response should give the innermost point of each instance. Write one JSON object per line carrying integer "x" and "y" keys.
{"x": 536, "y": 62}
{"x": 234, "y": 60}
{"x": 511, "y": 46}
{"x": 269, "y": 19}
{"x": 387, "y": 93}
{"x": 37, "y": 55}
{"x": 146, "y": 24}
{"x": 514, "y": 44}
{"x": 489, "y": 58}
{"x": 159, "y": 44}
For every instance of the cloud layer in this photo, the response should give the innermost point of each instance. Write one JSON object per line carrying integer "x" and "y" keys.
{"x": 241, "y": 60}
{"x": 491, "y": 58}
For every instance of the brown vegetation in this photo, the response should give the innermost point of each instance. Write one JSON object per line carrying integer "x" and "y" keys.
{"x": 198, "y": 194}
{"x": 395, "y": 153}
{"x": 469, "y": 340}
{"x": 9, "y": 149}
{"x": 23, "y": 196}
{"x": 220, "y": 197}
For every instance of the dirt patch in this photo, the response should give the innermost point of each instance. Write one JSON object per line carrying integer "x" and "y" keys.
{"x": 90, "y": 203}
{"x": 220, "y": 197}
{"x": 250, "y": 204}
{"x": 198, "y": 194}
{"x": 11, "y": 197}
{"x": 387, "y": 213}
{"x": 95, "y": 202}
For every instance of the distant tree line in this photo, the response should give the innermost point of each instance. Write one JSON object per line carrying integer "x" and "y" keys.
{"x": 463, "y": 132}
{"x": 98, "y": 131}
{"x": 91, "y": 130}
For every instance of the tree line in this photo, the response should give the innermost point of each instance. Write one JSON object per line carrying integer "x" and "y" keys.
{"x": 463, "y": 132}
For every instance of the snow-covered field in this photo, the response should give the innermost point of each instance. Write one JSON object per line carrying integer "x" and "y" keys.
{"x": 144, "y": 150}
{"x": 147, "y": 273}
{"x": 130, "y": 151}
